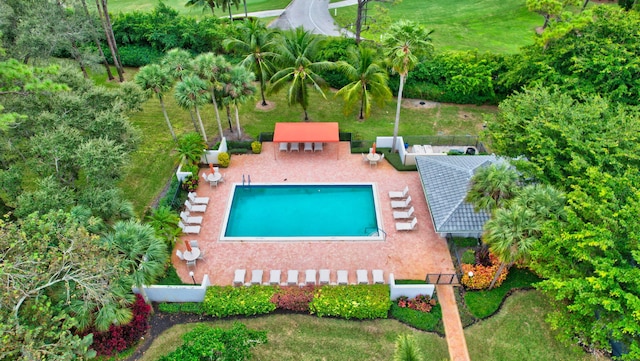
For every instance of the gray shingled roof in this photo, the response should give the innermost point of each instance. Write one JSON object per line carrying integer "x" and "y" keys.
{"x": 445, "y": 181}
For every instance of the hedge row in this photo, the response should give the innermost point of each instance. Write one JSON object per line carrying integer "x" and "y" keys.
{"x": 359, "y": 301}
{"x": 224, "y": 301}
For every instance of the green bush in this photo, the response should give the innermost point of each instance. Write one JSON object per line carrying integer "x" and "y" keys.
{"x": 238, "y": 151}
{"x": 237, "y": 144}
{"x": 430, "y": 321}
{"x": 186, "y": 307}
{"x": 256, "y": 147}
{"x": 224, "y": 159}
{"x": 358, "y": 301}
{"x": 223, "y": 301}
{"x": 469, "y": 256}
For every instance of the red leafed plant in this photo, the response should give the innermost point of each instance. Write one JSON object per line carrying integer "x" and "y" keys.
{"x": 119, "y": 338}
{"x": 483, "y": 275}
{"x": 422, "y": 303}
{"x": 294, "y": 298}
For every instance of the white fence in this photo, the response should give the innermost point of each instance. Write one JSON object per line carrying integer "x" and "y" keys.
{"x": 410, "y": 291}
{"x": 158, "y": 293}
{"x": 209, "y": 156}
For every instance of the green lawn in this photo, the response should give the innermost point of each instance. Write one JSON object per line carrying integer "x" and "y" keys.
{"x": 518, "y": 332}
{"x": 117, "y": 6}
{"x": 499, "y": 26}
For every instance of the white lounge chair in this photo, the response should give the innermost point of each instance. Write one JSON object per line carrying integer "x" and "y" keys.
{"x": 363, "y": 277}
{"x": 179, "y": 254}
{"x": 188, "y": 219}
{"x": 256, "y": 277}
{"x": 195, "y": 208}
{"x": 238, "y": 277}
{"x": 292, "y": 277}
{"x": 378, "y": 276}
{"x": 308, "y": 147}
{"x": 404, "y": 226}
{"x": 274, "y": 277}
{"x": 317, "y": 146}
{"x": 193, "y": 197}
{"x": 189, "y": 229}
{"x": 310, "y": 277}
{"x": 403, "y": 215}
{"x": 401, "y": 194}
{"x": 343, "y": 277}
{"x": 284, "y": 146}
{"x": 295, "y": 146}
{"x": 325, "y": 276}
{"x": 401, "y": 204}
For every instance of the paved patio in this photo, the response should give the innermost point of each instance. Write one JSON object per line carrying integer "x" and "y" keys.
{"x": 409, "y": 254}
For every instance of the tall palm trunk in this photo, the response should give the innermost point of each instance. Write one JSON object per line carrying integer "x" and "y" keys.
{"x": 229, "y": 117}
{"x": 204, "y": 133}
{"x": 97, "y": 41}
{"x": 498, "y": 273}
{"x": 396, "y": 126}
{"x": 246, "y": 14}
{"x": 103, "y": 10}
{"x": 76, "y": 55}
{"x": 166, "y": 117}
{"x": 362, "y": 96}
{"x": 215, "y": 107}
{"x": 238, "y": 122}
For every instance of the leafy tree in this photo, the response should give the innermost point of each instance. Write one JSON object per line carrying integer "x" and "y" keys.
{"x": 368, "y": 81}
{"x": 156, "y": 80}
{"x": 407, "y": 349}
{"x": 191, "y": 93}
{"x": 296, "y": 53}
{"x": 405, "y": 43}
{"x": 212, "y": 68}
{"x": 550, "y": 8}
{"x": 492, "y": 186}
{"x": 255, "y": 43}
{"x": 238, "y": 90}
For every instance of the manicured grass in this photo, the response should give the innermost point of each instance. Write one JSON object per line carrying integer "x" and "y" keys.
{"x": 519, "y": 332}
{"x": 171, "y": 277}
{"x": 500, "y": 26}
{"x": 430, "y": 321}
{"x": 303, "y": 337}
{"x": 117, "y": 6}
{"x": 484, "y": 303}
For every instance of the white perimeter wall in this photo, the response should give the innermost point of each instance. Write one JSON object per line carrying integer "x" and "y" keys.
{"x": 158, "y": 293}
{"x": 410, "y": 291}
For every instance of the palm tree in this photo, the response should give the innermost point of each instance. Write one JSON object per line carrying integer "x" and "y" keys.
{"x": 368, "y": 81}
{"x": 296, "y": 52}
{"x": 492, "y": 186}
{"x": 144, "y": 255}
{"x": 238, "y": 90}
{"x": 406, "y": 349}
{"x": 255, "y": 43}
{"x": 204, "y": 4}
{"x": 191, "y": 93}
{"x": 405, "y": 42}
{"x": 510, "y": 234}
{"x": 178, "y": 62}
{"x": 211, "y": 67}
{"x": 156, "y": 80}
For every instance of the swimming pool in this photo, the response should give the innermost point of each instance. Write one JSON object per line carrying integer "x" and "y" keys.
{"x": 302, "y": 212}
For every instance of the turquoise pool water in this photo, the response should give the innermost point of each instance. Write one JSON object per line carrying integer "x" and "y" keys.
{"x": 301, "y": 211}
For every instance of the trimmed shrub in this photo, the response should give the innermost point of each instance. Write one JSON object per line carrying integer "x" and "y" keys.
{"x": 256, "y": 147}
{"x": 224, "y": 159}
{"x": 294, "y": 298}
{"x": 119, "y": 338}
{"x": 358, "y": 301}
{"x": 186, "y": 307}
{"x": 223, "y": 301}
{"x": 469, "y": 256}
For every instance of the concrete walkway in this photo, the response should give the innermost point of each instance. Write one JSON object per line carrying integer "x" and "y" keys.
{"x": 452, "y": 324}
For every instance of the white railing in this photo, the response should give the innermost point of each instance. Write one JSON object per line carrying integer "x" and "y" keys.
{"x": 160, "y": 293}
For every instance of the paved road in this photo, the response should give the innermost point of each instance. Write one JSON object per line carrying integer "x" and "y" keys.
{"x": 312, "y": 15}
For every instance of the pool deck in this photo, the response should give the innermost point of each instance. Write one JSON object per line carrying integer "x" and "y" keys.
{"x": 407, "y": 254}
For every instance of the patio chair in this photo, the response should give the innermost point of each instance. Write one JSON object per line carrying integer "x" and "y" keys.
{"x": 308, "y": 147}
{"x": 317, "y": 147}
{"x": 343, "y": 277}
{"x": 274, "y": 277}
{"x": 188, "y": 219}
{"x": 195, "y": 208}
{"x": 295, "y": 146}
{"x": 189, "y": 229}
{"x": 403, "y": 215}
{"x": 191, "y": 264}
{"x": 193, "y": 243}
{"x": 310, "y": 277}
{"x": 363, "y": 277}
{"x": 205, "y": 176}
{"x": 404, "y": 226}
{"x": 256, "y": 277}
{"x": 401, "y": 204}
{"x": 179, "y": 254}
{"x": 325, "y": 276}
{"x": 378, "y": 277}
{"x": 238, "y": 277}
{"x": 292, "y": 277}
{"x": 364, "y": 158}
{"x": 402, "y": 194}
{"x": 284, "y": 146}
{"x": 193, "y": 197}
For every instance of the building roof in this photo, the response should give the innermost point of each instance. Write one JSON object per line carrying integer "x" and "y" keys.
{"x": 445, "y": 181}
{"x": 306, "y": 132}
